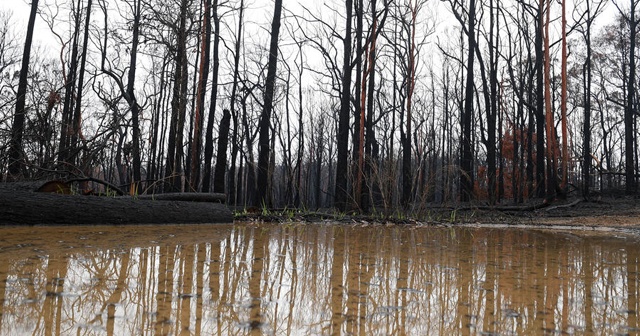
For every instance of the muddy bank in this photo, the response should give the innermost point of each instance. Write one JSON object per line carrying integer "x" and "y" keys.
{"x": 20, "y": 205}
{"x": 623, "y": 212}
{"x": 597, "y": 214}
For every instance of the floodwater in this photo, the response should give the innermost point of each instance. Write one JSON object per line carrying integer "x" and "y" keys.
{"x": 320, "y": 279}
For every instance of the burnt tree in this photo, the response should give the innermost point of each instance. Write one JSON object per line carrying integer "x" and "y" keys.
{"x": 265, "y": 118}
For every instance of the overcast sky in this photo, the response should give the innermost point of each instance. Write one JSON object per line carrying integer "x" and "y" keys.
{"x": 20, "y": 10}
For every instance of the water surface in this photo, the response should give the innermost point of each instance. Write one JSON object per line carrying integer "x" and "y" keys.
{"x": 315, "y": 280}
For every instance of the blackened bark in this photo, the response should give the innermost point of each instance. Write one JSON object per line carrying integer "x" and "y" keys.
{"x": 540, "y": 118}
{"x": 587, "y": 75}
{"x": 405, "y": 136}
{"x": 341, "y": 191}
{"x": 77, "y": 114}
{"x": 300, "y": 157}
{"x": 629, "y": 118}
{"x": 586, "y": 127}
{"x": 466, "y": 157}
{"x": 563, "y": 107}
{"x": 208, "y": 146}
{"x": 357, "y": 105}
{"x": 317, "y": 178}
{"x": 178, "y": 107}
{"x": 493, "y": 106}
{"x": 202, "y": 89}
{"x": 16, "y": 207}
{"x": 130, "y": 96}
{"x": 369, "y": 141}
{"x": 233, "y": 184}
{"x": 16, "y": 162}
{"x": 64, "y": 150}
{"x": 265, "y": 118}
{"x": 221, "y": 156}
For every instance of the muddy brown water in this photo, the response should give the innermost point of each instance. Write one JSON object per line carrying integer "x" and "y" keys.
{"x": 315, "y": 280}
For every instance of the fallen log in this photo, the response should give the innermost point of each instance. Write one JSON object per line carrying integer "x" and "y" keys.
{"x": 186, "y": 197}
{"x": 19, "y": 207}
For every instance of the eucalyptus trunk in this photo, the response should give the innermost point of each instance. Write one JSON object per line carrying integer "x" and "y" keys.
{"x": 265, "y": 117}
{"x": 16, "y": 159}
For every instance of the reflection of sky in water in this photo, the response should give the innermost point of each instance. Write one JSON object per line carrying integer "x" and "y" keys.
{"x": 304, "y": 279}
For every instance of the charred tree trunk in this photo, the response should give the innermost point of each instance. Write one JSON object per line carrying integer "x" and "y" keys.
{"x": 208, "y": 147}
{"x": 341, "y": 189}
{"x": 130, "y": 94}
{"x": 319, "y": 149}
{"x": 357, "y": 104}
{"x": 587, "y": 74}
{"x": 492, "y": 105}
{"x": 221, "y": 156}
{"x": 265, "y": 118}
{"x": 563, "y": 103}
{"x": 65, "y": 151}
{"x": 629, "y": 111}
{"x": 466, "y": 155}
{"x": 178, "y": 107}
{"x": 301, "y": 134}
{"x": 76, "y": 135}
{"x": 369, "y": 135}
{"x": 235, "y": 141}
{"x": 586, "y": 127}
{"x": 540, "y": 121}
{"x": 406, "y": 135}
{"x": 16, "y": 160}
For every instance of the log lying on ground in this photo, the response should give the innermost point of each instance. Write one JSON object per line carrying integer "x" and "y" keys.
{"x": 24, "y": 207}
{"x": 187, "y": 197}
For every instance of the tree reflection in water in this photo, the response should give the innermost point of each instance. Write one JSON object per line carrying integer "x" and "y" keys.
{"x": 314, "y": 279}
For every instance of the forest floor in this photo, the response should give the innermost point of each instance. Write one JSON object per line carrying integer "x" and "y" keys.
{"x": 596, "y": 214}
{"x": 20, "y": 205}
{"x": 617, "y": 212}
{"x": 602, "y": 214}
